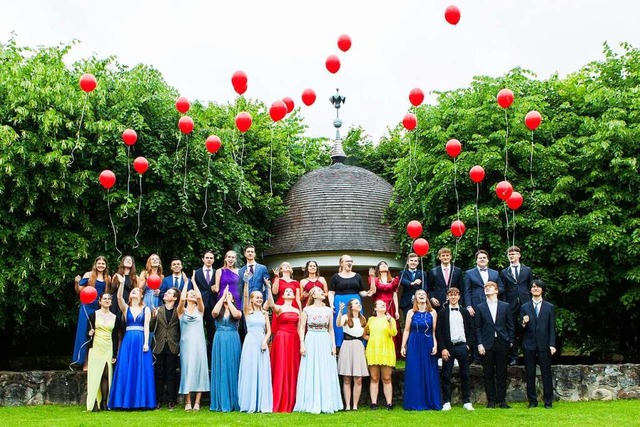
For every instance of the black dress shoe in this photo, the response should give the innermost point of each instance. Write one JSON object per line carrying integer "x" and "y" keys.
{"x": 532, "y": 405}
{"x": 389, "y": 407}
{"x": 503, "y": 405}
{"x": 513, "y": 362}
{"x": 547, "y": 406}
{"x": 374, "y": 406}
{"x": 491, "y": 405}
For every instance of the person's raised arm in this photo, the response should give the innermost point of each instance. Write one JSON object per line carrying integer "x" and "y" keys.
{"x": 235, "y": 313}
{"x": 120, "y": 295}
{"x": 198, "y": 297}
{"x": 216, "y": 286}
{"x": 270, "y": 301}
{"x": 267, "y": 333}
{"x": 218, "y": 307}
{"x": 246, "y": 304}
{"x": 340, "y": 319}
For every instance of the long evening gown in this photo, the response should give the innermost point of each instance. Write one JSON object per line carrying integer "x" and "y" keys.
{"x": 384, "y": 292}
{"x": 194, "y": 371}
{"x": 294, "y": 285}
{"x": 231, "y": 279}
{"x": 255, "y": 393}
{"x": 225, "y": 363}
{"x": 82, "y": 339}
{"x": 99, "y": 358}
{"x": 285, "y": 362}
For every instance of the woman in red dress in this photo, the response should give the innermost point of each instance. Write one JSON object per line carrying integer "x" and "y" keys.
{"x": 285, "y": 352}
{"x": 312, "y": 279}
{"x": 281, "y": 283}
{"x": 386, "y": 288}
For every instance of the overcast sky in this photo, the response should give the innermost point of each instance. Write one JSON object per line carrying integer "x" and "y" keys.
{"x": 282, "y": 45}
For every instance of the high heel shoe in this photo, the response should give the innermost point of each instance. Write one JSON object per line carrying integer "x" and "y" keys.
{"x": 187, "y": 407}
{"x": 196, "y": 407}
{"x": 103, "y": 405}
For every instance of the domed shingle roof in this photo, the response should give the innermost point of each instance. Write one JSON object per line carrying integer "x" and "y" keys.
{"x": 335, "y": 208}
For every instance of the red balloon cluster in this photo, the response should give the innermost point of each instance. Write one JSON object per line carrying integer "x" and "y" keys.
{"x": 532, "y": 120}
{"x": 88, "y": 294}
{"x": 140, "y": 164}
{"x": 182, "y": 104}
{"x": 515, "y": 201}
{"x": 185, "y": 124}
{"x": 278, "y": 110}
{"x": 452, "y": 15}
{"x": 333, "y": 64}
{"x": 213, "y": 144}
{"x": 344, "y": 42}
{"x": 88, "y": 82}
{"x": 453, "y": 148}
{"x": 414, "y": 229}
{"x": 308, "y": 97}
{"x": 458, "y": 228}
{"x": 504, "y": 190}
{"x": 476, "y": 174}
{"x": 243, "y": 121}
{"x": 107, "y": 179}
{"x": 129, "y": 136}
{"x": 154, "y": 281}
{"x": 505, "y": 98}
{"x": 410, "y": 121}
{"x": 239, "y": 81}
{"x": 421, "y": 247}
{"x": 289, "y": 103}
{"x": 416, "y": 96}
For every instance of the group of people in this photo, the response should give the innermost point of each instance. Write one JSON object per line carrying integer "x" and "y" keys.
{"x": 262, "y": 346}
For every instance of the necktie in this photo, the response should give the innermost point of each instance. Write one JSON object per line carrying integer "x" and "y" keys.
{"x": 537, "y": 308}
{"x": 446, "y": 275}
{"x": 208, "y": 276}
{"x": 455, "y": 309}
{"x": 516, "y": 269}
{"x": 251, "y": 268}
{"x": 175, "y": 282}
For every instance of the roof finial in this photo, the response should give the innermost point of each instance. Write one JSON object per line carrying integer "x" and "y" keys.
{"x": 337, "y": 153}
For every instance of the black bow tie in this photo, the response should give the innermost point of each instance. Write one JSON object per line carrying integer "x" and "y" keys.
{"x": 483, "y": 269}
{"x": 454, "y": 309}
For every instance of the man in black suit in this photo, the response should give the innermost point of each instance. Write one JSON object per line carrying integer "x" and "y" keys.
{"x": 442, "y": 278}
{"x": 205, "y": 280}
{"x": 539, "y": 343}
{"x": 494, "y": 336}
{"x": 456, "y": 337}
{"x": 516, "y": 279}
{"x": 411, "y": 279}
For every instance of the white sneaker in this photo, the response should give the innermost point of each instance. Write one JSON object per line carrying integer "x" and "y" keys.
{"x": 455, "y": 363}
{"x": 468, "y": 406}
{"x": 447, "y": 406}
{"x": 440, "y": 362}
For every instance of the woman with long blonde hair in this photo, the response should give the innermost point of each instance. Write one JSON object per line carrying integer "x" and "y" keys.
{"x": 151, "y": 296}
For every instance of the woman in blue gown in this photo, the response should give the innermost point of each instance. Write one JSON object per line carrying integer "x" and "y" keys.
{"x": 151, "y": 296}
{"x": 133, "y": 384}
{"x": 419, "y": 346}
{"x": 225, "y": 355}
{"x": 98, "y": 278}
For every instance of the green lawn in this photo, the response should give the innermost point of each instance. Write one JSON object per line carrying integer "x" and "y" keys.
{"x": 624, "y": 413}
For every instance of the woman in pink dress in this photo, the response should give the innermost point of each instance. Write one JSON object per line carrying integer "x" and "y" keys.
{"x": 281, "y": 283}
{"x": 312, "y": 279}
{"x": 386, "y": 289}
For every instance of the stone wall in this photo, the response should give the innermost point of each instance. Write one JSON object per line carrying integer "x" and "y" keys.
{"x": 571, "y": 383}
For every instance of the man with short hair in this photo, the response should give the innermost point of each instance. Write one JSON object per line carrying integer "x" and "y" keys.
{"x": 442, "y": 278}
{"x": 204, "y": 278}
{"x": 539, "y": 343}
{"x": 166, "y": 327}
{"x": 456, "y": 336}
{"x": 177, "y": 279}
{"x": 411, "y": 279}
{"x": 253, "y": 273}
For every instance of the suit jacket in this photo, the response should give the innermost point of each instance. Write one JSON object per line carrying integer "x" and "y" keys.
{"x": 408, "y": 290}
{"x": 473, "y": 293}
{"x": 167, "y": 283}
{"x": 91, "y": 324}
{"x": 443, "y": 331}
{"x": 256, "y": 282}
{"x": 438, "y": 287}
{"x": 165, "y": 332}
{"x": 486, "y": 329}
{"x": 539, "y": 332}
{"x": 516, "y": 291}
{"x": 208, "y": 297}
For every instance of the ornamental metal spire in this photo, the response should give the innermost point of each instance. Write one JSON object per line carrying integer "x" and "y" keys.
{"x": 337, "y": 153}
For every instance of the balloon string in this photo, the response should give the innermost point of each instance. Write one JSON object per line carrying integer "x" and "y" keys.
{"x": 241, "y": 177}
{"x": 415, "y": 156}
{"x": 184, "y": 184}
{"x": 125, "y": 214}
{"x": 531, "y": 166}
{"x": 455, "y": 186}
{"x": 455, "y": 250}
{"x": 513, "y": 221}
{"x": 506, "y": 216}
{"x": 288, "y": 157}
{"x": 139, "y": 208}
{"x": 477, "y": 217}
{"x": 271, "y": 166}
{"x": 75, "y": 362}
{"x": 506, "y": 140}
{"x": 206, "y": 193}
{"x": 115, "y": 234}
{"x": 75, "y": 147}
{"x": 177, "y": 154}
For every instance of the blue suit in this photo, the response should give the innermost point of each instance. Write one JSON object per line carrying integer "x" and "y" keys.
{"x": 408, "y": 290}
{"x": 256, "y": 282}
{"x": 168, "y": 283}
{"x": 473, "y": 293}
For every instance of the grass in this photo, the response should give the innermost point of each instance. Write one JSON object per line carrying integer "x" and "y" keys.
{"x": 622, "y": 412}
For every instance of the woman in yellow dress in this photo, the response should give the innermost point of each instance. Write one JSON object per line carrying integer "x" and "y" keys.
{"x": 381, "y": 353}
{"x": 103, "y": 334}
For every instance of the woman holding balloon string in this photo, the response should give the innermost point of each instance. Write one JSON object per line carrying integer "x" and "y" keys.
{"x": 125, "y": 276}
{"x": 151, "y": 295}
{"x": 386, "y": 288}
{"x": 95, "y": 280}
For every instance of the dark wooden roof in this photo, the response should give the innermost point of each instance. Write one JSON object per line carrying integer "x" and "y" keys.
{"x": 335, "y": 208}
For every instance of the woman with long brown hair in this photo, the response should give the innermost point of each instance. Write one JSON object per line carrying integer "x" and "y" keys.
{"x": 352, "y": 361}
{"x": 311, "y": 279}
{"x": 386, "y": 287}
{"x": 151, "y": 296}
{"x": 126, "y": 276}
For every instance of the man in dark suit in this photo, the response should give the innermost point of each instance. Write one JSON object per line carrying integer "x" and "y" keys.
{"x": 516, "y": 279}
{"x": 456, "y": 337}
{"x": 204, "y": 278}
{"x": 166, "y": 327}
{"x": 442, "y": 278}
{"x": 539, "y": 343}
{"x": 494, "y": 336}
{"x": 411, "y": 279}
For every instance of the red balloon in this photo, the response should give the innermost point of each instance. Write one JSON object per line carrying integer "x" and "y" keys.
{"x": 458, "y": 228}
{"x": 88, "y": 82}
{"x": 185, "y": 124}
{"x": 476, "y": 174}
{"x": 409, "y": 121}
{"x": 333, "y": 64}
{"x": 453, "y": 148}
{"x": 243, "y": 121}
{"x": 416, "y": 96}
{"x": 278, "y": 110}
{"x": 182, "y": 104}
{"x": 213, "y": 144}
{"x": 452, "y": 15}
{"x": 107, "y": 179}
{"x": 504, "y": 190}
{"x": 344, "y": 42}
{"x": 129, "y": 136}
{"x": 414, "y": 229}
{"x": 140, "y": 164}
{"x": 532, "y": 120}
{"x": 505, "y": 98}
{"x": 308, "y": 97}
{"x": 239, "y": 80}
{"x": 154, "y": 281}
{"x": 289, "y": 103}
{"x": 88, "y": 294}
{"x": 515, "y": 201}
{"x": 241, "y": 90}
{"x": 421, "y": 247}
